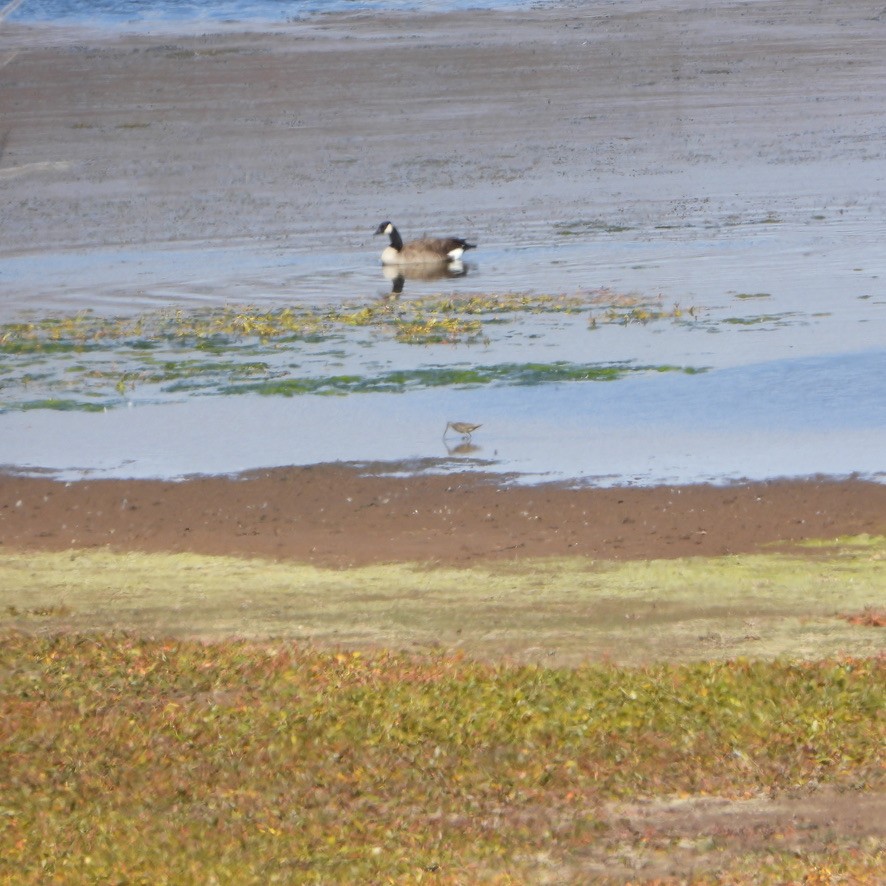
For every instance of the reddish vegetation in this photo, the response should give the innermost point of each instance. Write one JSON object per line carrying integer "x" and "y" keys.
{"x": 872, "y": 618}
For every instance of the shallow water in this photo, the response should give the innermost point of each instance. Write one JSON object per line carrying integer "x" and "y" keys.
{"x": 792, "y": 348}
{"x": 768, "y": 420}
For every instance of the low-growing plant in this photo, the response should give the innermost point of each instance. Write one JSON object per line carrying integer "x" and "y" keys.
{"x": 132, "y": 760}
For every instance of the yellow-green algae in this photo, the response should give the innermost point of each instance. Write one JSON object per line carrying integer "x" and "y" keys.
{"x": 90, "y": 361}
{"x": 553, "y": 611}
{"x": 429, "y": 319}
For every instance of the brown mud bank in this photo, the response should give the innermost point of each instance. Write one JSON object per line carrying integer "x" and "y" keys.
{"x": 341, "y": 516}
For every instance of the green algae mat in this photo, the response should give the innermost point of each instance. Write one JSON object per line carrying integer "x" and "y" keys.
{"x": 88, "y": 362}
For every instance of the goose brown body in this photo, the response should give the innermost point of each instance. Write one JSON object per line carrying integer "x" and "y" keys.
{"x": 426, "y": 251}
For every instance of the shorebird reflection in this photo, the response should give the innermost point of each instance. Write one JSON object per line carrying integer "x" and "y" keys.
{"x": 464, "y": 429}
{"x": 465, "y": 448}
{"x": 399, "y": 274}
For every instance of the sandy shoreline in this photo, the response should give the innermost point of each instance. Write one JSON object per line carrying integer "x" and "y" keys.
{"x": 337, "y": 516}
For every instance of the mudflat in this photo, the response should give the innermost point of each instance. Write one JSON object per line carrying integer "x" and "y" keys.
{"x": 340, "y": 516}
{"x": 306, "y": 135}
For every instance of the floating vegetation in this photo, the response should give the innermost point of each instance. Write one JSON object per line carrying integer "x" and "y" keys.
{"x": 437, "y": 330}
{"x": 623, "y": 310}
{"x": 91, "y": 361}
{"x": 589, "y": 226}
{"x": 431, "y": 319}
{"x": 399, "y": 381}
{"x": 763, "y": 319}
{"x": 102, "y": 391}
{"x": 60, "y": 405}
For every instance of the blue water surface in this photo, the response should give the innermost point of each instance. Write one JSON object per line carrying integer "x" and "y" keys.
{"x": 128, "y": 12}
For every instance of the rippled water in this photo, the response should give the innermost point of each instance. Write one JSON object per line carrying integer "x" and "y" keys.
{"x": 792, "y": 348}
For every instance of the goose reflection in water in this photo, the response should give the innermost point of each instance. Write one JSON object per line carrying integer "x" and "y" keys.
{"x": 399, "y": 274}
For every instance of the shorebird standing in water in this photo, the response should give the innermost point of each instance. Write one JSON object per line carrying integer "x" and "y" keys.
{"x": 465, "y": 428}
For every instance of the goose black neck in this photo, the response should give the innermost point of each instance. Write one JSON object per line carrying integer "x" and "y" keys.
{"x": 396, "y": 239}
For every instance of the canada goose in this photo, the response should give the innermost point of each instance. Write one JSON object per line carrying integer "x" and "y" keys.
{"x": 427, "y": 251}
{"x": 465, "y": 428}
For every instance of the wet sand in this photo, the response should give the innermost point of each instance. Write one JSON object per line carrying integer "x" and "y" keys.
{"x": 299, "y": 138}
{"x": 333, "y": 515}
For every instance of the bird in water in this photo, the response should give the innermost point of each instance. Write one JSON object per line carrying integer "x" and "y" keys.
{"x": 427, "y": 251}
{"x": 465, "y": 428}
